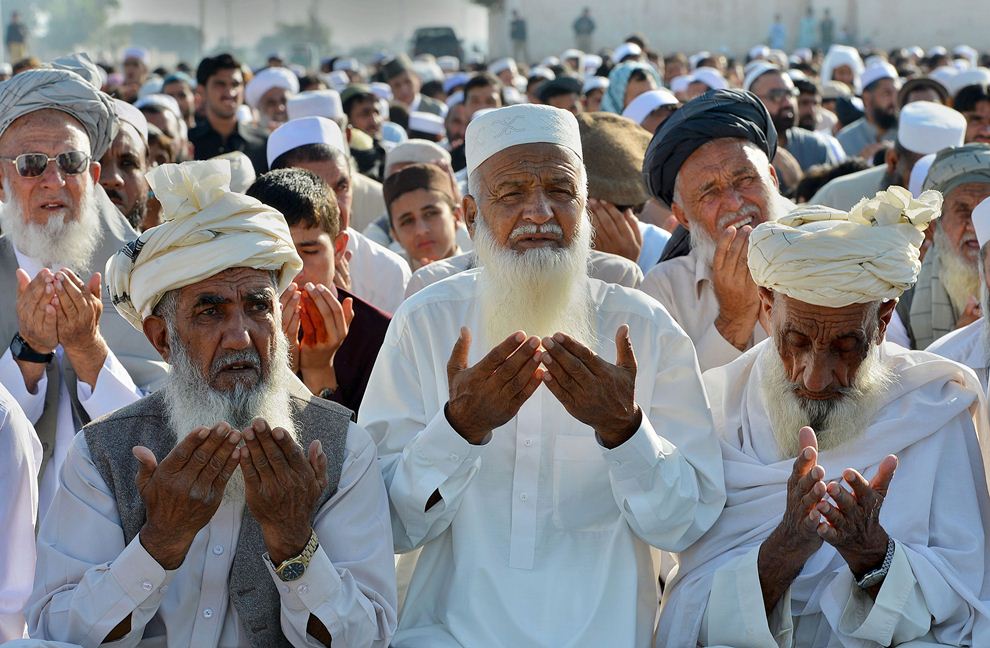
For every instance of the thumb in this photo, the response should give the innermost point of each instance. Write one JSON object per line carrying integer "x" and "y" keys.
{"x": 94, "y": 284}
{"x": 459, "y": 354}
{"x": 348, "y": 306}
{"x": 885, "y": 473}
{"x": 146, "y": 466}
{"x": 625, "y": 357}
{"x": 23, "y": 279}
{"x": 807, "y": 437}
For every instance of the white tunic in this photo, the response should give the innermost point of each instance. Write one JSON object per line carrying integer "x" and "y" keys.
{"x": 937, "y": 510}
{"x": 378, "y": 275}
{"x": 684, "y": 287}
{"x": 966, "y": 345}
{"x": 542, "y": 536}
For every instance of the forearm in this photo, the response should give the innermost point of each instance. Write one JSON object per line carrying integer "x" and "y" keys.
{"x": 778, "y": 566}
{"x": 31, "y": 373}
{"x": 88, "y": 360}
{"x": 737, "y": 329}
{"x": 112, "y": 388}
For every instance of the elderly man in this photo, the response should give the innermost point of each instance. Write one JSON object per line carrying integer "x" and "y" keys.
{"x": 71, "y": 357}
{"x": 405, "y": 85}
{"x": 969, "y": 345}
{"x": 711, "y": 162}
{"x": 868, "y": 134}
{"x": 536, "y": 426}
{"x": 268, "y": 93}
{"x": 946, "y": 296}
{"x": 822, "y": 542}
{"x": 230, "y": 508}
{"x": 123, "y": 166}
{"x": 374, "y": 273}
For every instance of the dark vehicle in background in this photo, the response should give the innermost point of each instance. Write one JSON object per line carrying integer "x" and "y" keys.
{"x": 438, "y": 41}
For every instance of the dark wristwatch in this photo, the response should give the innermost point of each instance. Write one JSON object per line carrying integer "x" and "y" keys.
{"x": 21, "y": 350}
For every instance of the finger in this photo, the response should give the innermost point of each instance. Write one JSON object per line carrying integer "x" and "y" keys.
{"x": 633, "y": 224}
{"x": 94, "y": 284}
{"x": 842, "y": 498}
{"x": 182, "y": 453}
{"x": 578, "y": 350}
{"x": 203, "y": 454}
{"x": 147, "y": 463}
{"x": 885, "y": 472}
{"x": 558, "y": 387}
{"x": 71, "y": 276}
{"x": 220, "y": 456}
{"x": 68, "y": 294}
{"x": 522, "y": 356}
{"x": 832, "y": 514}
{"x": 604, "y": 225}
{"x": 535, "y": 380}
{"x": 858, "y": 483}
{"x": 315, "y": 317}
{"x": 348, "y": 306}
{"x": 494, "y": 358}
{"x": 331, "y": 310}
{"x": 625, "y": 357}
{"x": 276, "y": 458}
{"x": 306, "y": 320}
{"x": 288, "y": 294}
{"x": 827, "y": 532}
{"x": 807, "y": 438}
{"x": 220, "y": 483}
{"x": 23, "y": 281}
{"x": 722, "y": 247}
{"x": 291, "y": 449}
{"x": 739, "y": 249}
{"x": 245, "y": 458}
{"x": 459, "y": 354}
{"x": 810, "y": 479}
{"x": 814, "y": 495}
{"x": 258, "y": 456}
{"x": 564, "y": 365}
{"x": 289, "y": 302}
{"x": 524, "y": 374}
{"x": 805, "y": 461}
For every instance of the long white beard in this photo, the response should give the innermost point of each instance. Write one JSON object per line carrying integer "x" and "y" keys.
{"x": 193, "y": 403}
{"x": 540, "y": 291}
{"x": 959, "y": 275}
{"x": 61, "y": 241}
{"x": 835, "y": 421}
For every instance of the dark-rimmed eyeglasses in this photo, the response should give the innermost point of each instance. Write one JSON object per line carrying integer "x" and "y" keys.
{"x": 32, "y": 165}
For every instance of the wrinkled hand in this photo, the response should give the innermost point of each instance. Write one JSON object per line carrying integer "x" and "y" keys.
{"x": 735, "y": 290}
{"x": 489, "y": 394}
{"x": 972, "y": 313}
{"x": 36, "y": 316}
{"x": 282, "y": 486}
{"x": 183, "y": 492}
{"x": 852, "y": 519}
{"x": 797, "y": 534}
{"x": 325, "y": 323}
{"x": 616, "y": 232}
{"x": 291, "y": 301}
{"x": 342, "y": 270}
{"x": 79, "y": 310}
{"x": 593, "y": 391}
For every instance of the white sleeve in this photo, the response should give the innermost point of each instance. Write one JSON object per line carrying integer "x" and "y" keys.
{"x": 33, "y": 404}
{"x": 897, "y": 332}
{"x": 114, "y": 389}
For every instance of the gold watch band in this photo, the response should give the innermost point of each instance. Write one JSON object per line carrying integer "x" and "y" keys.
{"x": 307, "y": 554}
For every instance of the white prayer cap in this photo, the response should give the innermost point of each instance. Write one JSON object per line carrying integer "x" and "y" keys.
{"x": 206, "y": 229}
{"x": 927, "y": 127}
{"x": 918, "y": 174}
{"x": 590, "y": 63}
{"x": 550, "y": 61}
{"x": 542, "y": 72}
{"x": 416, "y": 151}
{"x": 873, "y": 60}
{"x": 273, "y": 77}
{"x": 944, "y": 75}
{"x": 503, "y": 64}
{"x": 831, "y": 258}
{"x": 315, "y": 103}
{"x": 696, "y": 58}
{"x": 710, "y": 77}
{"x": 338, "y": 80}
{"x": 797, "y": 75}
{"x": 976, "y": 76}
{"x": 680, "y": 83}
{"x": 138, "y": 53}
{"x": 454, "y": 80}
{"x": 303, "y": 131}
{"x": 571, "y": 54}
{"x": 756, "y": 72}
{"x": 163, "y": 101}
{"x": 428, "y": 71}
{"x": 455, "y": 99}
{"x": 152, "y": 86}
{"x": 641, "y": 107}
{"x": 803, "y": 54}
{"x": 128, "y": 114}
{"x": 759, "y": 51}
{"x": 594, "y": 83}
{"x": 968, "y": 53}
{"x": 423, "y": 122}
{"x": 624, "y": 50}
{"x": 877, "y": 72}
{"x": 449, "y": 63}
{"x": 981, "y": 221}
{"x": 346, "y": 64}
{"x": 502, "y": 128}
{"x": 242, "y": 174}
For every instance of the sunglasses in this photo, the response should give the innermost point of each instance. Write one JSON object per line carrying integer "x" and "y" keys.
{"x": 777, "y": 94}
{"x": 32, "y": 165}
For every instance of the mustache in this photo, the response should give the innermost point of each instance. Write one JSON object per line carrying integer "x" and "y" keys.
{"x": 113, "y": 194}
{"x": 526, "y": 230}
{"x": 745, "y": 211}
{"x": 245, "y": 356}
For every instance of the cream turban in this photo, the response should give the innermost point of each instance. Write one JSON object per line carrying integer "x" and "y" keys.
{"x": 831, "y": 258}
{"x": 206, "y": 229}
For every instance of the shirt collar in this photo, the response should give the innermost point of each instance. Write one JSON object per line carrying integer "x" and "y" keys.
{"x": 702, "y": 271}
{"x": 28, "y": 264}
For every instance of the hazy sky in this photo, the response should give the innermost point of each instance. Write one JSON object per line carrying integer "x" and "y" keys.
{"x": 353, "y": 22}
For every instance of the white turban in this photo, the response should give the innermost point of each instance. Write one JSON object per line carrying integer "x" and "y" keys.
{"x": 273, "y": 77}
{"x": 206, "y": 229}
{"x": 831, "y": 258}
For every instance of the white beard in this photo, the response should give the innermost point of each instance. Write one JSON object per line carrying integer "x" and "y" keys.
{"x": 61, "y": 241}
{"x": 540, "y": 291}
{"x": 959, "y": 275}
{"x": 192, "y": 403}
{"x": 835, "y": 421}
{"x": 702, "y": 243}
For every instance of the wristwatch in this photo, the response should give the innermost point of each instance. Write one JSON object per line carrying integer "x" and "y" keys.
{"x": 21, "y": 350}
{"x": 877, "y": 575}
{"x": 293, "y": 568}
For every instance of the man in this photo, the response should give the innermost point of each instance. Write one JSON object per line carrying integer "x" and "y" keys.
{"x": 231, "y": 507}
{"x": 71, "y": 357}
{"x": 652, "y": 108}
{"x": 968, "y": 345}
{"x": 268, "y": 93}
{"x": 423, "y": 213}
{"x": 480, "y": 92}
{"x": 16, "y": 38}
{"x": 163, "y": 112}
{"x": 946, "y": 296}
{"x": 868, "y": 134}
{"x": 220, "y": 86}
{"x": 517, "y": 32}
{"x": 922, "y": 89}
{"x": 777, "y": 92}
{"x": 827, "y": 30}
{"x": 405, "y": 83}
{"x": 180, "y": 86}
{"x": 806, "y": 30}
{"x": 564, "y": 92}
{"x": 974, "y": 103}
{"x": 455, "y": 123}
{"x": 711, "y": 162}
{"x": 923, "y": 128}
{"x": 811, "y": 114}
{"x": 334, "y": 337}
{"x": 584, "y": 27}
{"x": 136, "y": 69}
{"x": 818, "y": 546}
{"x": 360, "y": 104}
{"x": 372, "y": 272}
{"x": 123, "y": 166}
{"x": 537, "y": 492}
{"x": 592, "y": 93}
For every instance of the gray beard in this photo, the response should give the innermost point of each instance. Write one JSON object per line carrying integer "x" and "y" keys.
{"x": 61, "y": 241}
{"x": 192, "y": 403}
{"x": 959, "y": 276}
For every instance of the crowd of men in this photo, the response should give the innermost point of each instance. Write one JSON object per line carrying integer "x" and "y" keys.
{"x": 616, "y": 349}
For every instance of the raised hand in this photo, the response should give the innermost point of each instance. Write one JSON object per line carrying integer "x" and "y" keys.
{"x": 182, "y": 493}
{"x": 291, "y": 302}
{"x": 36, "y": 316}
{"x": 342, "y": 270}
{"x": 616, "y": 232}
{"x": 593, "y": 391}
{"x": 78, "y": 323}
{"x": 282, "y": 486}
{"x": 735, "y": 290}
{"x": 489, "y": 394}
{"x": 970, "y": 314}
{"x": 852, "y": 519}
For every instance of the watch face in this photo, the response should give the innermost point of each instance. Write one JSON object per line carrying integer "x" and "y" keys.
{"x": 292, "y": 571}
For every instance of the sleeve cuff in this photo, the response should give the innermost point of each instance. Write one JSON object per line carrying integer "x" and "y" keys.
{"x": 641, "y": 452}
{"x": 311, "y": 593}
{"x": 443, "y": 449}
{"x": 714, "y": 350}
{"x": 114, "y": 388}
{"x": 11, "y": 378}
{"x": 877, "y": 619}
{"x": 138, "y": 574}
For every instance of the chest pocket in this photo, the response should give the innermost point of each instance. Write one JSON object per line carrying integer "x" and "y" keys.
{"x": 582, "y": 493}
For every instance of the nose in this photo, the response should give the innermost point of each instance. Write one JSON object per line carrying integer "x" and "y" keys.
{"x": 538, "y": 209}
{"x": 236, "y": 335}
{"x": 732, "y": 200}
{"x": 110, "y": 177}
{"x": 817, "y": 375}
{"x": 52, "y": 176}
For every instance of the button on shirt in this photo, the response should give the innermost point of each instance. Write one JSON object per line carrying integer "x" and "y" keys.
{"x": 88, "y": 580}
{"x": 542, "y": 535}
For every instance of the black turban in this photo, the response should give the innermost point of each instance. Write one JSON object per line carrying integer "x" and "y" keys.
{"x": 713, "y": 115}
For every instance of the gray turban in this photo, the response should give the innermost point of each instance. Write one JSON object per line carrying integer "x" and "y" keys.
{"x": 68, "y": 84}
{"x": 960, "y": 165}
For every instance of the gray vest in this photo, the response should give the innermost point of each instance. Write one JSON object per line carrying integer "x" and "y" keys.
{"x": 252, "y": 592}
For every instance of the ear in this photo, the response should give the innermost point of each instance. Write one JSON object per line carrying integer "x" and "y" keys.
{"x": 884, "y": 315}
{"x": 890, "y": 159}
{"x": 680, "y": 215}
{"x": 347, "y": 134}
{"x": 766, "y": 303}
{"x": 340, "y": 243}
{"x": 156, "y": 331}
{"x": 773, "y": 177}
{"x": 94, "y": 170}
{"x": 470, "y": 208}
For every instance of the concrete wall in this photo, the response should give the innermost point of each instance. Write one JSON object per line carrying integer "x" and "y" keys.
{"x": 733, "y": 26}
